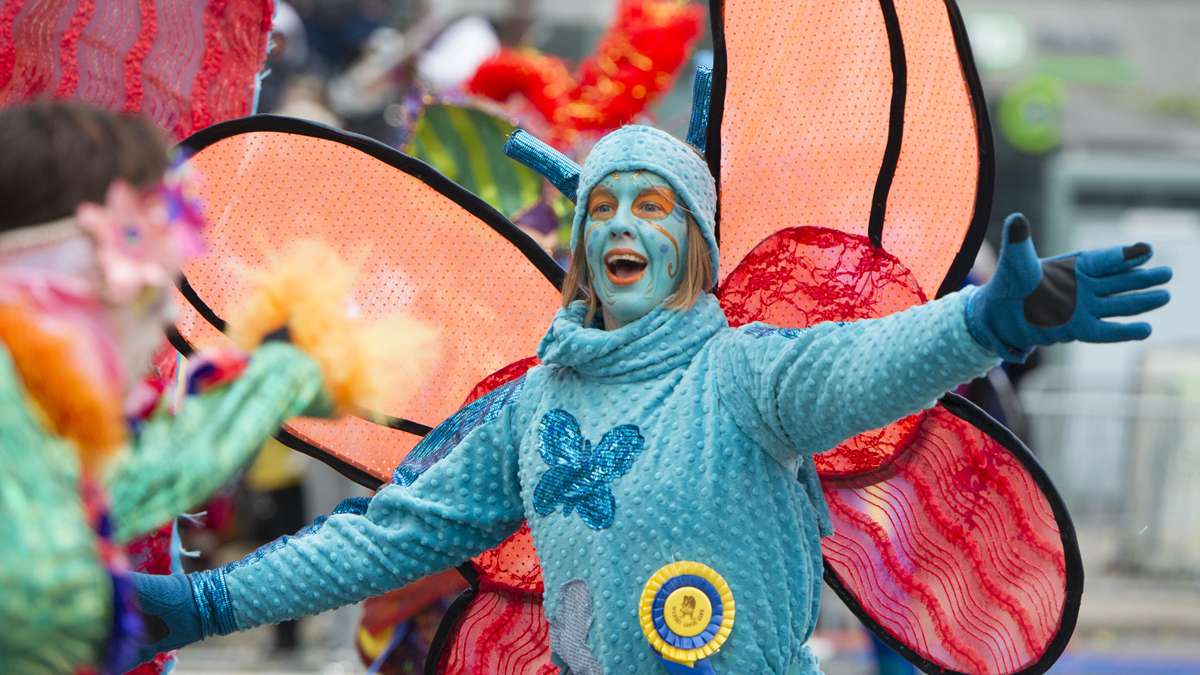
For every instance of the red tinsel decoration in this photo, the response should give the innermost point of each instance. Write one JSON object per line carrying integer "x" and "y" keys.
{"x": 636, "y": 60}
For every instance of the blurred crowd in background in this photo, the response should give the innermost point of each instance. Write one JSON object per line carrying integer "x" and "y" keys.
{"x": 1095, "y": 112}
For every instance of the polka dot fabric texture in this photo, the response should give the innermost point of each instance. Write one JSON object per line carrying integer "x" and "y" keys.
{"x": 420, "y": 252}
{"x": 933, "y": 196}
{"x": 805, "y": 117}
{"x": 185, "y": 65}
{"x": 814, "y": 94}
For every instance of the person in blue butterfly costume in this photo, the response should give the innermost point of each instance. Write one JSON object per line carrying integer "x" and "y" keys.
{"x": 654, "y": 435}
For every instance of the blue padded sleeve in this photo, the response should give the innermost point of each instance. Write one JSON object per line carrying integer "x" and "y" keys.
{"x": 437, "y": 516}
{"x": 802, "y": 391}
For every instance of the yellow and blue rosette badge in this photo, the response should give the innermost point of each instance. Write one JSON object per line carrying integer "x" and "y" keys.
{"x": 686, "y": 613}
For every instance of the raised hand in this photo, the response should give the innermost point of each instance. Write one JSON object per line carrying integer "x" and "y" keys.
{"x": 1031, "y": 302}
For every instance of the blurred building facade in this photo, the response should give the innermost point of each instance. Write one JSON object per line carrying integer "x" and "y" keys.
{"x": 1096, "y": 115}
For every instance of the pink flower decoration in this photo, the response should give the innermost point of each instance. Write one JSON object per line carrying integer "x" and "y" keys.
{"x": 122, "y": 228}
{"x": 185, "y": 214}
{"x": 143, "y": 240}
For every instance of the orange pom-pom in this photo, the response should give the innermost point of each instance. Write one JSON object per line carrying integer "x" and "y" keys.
{"x": 64, "y": 383}
{"x": 307, "y": 288}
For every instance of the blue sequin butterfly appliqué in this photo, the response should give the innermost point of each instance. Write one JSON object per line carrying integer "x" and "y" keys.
{"x": 580, "y": 476}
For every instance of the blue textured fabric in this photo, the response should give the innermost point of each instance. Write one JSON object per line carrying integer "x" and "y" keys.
{"x": 730, "y": 419}
{"x": 448, "y": 434}
{"x": 171, "y": 616}
{"x": 534, "y": 153}
{"x": 637, "y": 147}
{"x": 580, "y": 476}
{"x": 697, "y": 135}
{"x": 212, "y": 603}
{"x": 1030, "y": 302}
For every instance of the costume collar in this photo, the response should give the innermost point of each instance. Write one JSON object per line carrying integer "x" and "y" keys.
{"x": 661, "y": 341}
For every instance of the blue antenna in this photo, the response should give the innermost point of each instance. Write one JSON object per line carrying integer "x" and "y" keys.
{"x": 531, "y": 151}
{"x": 697, "y": 135}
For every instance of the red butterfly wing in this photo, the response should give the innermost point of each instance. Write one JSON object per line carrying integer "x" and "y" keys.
{"x": 949, "y": 540}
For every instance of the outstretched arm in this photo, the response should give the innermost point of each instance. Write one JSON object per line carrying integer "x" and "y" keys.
{"x": 458, "y": 495}
{"x": 805, "y": 390}
{"x": 177, "y": 461}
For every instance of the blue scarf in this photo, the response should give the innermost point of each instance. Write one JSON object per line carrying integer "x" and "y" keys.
{"x": 661, "y": 341}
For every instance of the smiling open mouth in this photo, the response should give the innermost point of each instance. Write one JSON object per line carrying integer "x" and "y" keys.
{"x": 624, "y": 266}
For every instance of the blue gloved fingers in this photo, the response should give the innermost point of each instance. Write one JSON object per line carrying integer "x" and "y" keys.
{"x": 1018, "y": 270}
{"x": 1103, "y": 262}
{"x": 169, "y": 609}
{"x": 1133, "y": 280}
{"x": 1131, "y": 304}
{"x": 1110, "y": 331}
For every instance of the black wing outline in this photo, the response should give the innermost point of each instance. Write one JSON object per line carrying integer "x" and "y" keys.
{"x": 965, "y": 258}
{"x": 402, "y": 162}
{"x": 964, "y": 409}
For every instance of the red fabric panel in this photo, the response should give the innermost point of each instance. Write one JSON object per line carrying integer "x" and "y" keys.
{"x": 506, "y": 374}
{"x": 185, "y": 64}
{"x": 512, "y": 566}
{"x": 953, "y": 549}
{"x": 500, "y": 633}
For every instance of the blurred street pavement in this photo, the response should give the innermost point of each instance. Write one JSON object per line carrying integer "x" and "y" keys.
{"x": 1126, "y": 627}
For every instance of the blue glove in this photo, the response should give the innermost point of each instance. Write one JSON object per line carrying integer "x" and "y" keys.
{"x": 1031, "y": 302}
{"x": 169, "y": 611}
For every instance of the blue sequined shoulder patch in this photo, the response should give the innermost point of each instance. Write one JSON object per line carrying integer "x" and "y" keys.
{"x": 580, "y": 476}
{"x": 355, "y": 505}
{"x": 762, "y": 330}
{"x": 447, "y": 435}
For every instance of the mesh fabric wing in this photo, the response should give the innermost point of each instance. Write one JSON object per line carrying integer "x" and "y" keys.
{"x": 852, "y": 151}
{"x": 426, "y": 246}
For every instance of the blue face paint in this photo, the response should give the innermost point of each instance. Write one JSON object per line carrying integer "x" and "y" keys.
{"x": 636, "y": 244}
